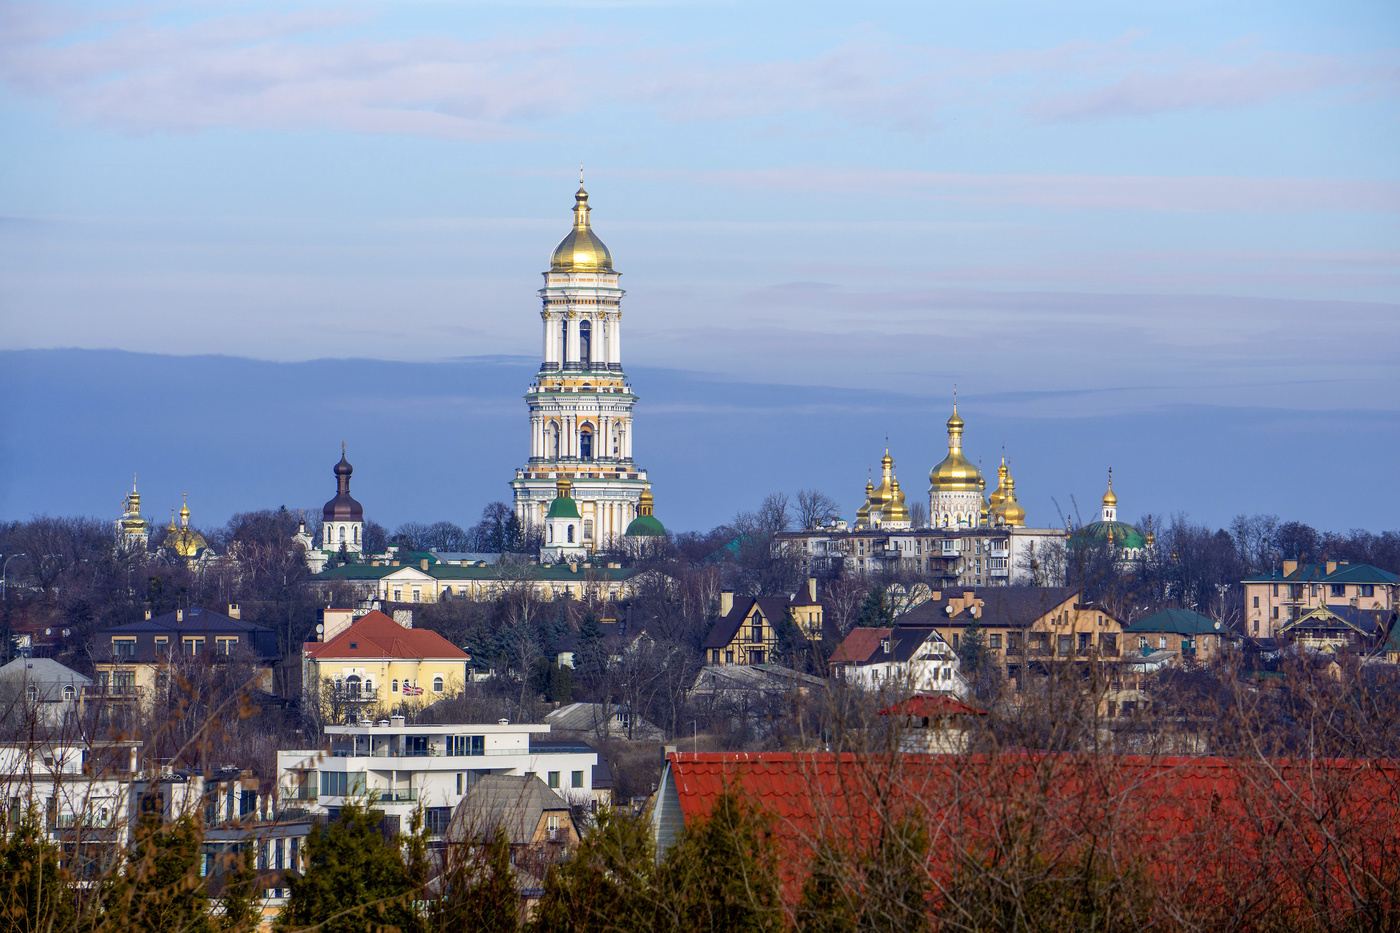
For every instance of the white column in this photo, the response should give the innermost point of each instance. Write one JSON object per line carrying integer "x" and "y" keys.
{"x": 572, "y": 355}
{"x": 615, "y": 344}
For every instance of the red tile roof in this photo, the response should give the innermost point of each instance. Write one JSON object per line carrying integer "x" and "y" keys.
{"x": 1199, "y": 826}
{"x": 923, "y": 704}
{"x": 376, "y": 635}
{"x": 859, "y": 645}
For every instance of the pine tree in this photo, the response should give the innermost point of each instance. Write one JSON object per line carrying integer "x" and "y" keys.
{"x": 876, "y": 611}
{"x": 479, "y": 893}
{"x": 606, "y": 885}
{"x": 35, "y": 894}
{"x": 160, "y": 887}
{"x": 353, "y": 881}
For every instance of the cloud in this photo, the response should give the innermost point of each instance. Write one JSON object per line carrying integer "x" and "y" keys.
{"x": 143, "y": 69}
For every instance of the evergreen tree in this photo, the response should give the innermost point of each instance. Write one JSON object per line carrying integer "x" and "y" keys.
{"x": 160, "y": 887}
{"x": 876, "y": 611}
{"x": 972, "y": 650}
{"x": 591, "y": 658}
{"x": 607, "y": 884}
{"x": 479, "y": 893}
{"x": 353, "y": 881}
{"x": 238, "y": 903}
{"x": 826, "y": 905}
{"x": 722, "y": 875}
{"x": 35, "y": 894}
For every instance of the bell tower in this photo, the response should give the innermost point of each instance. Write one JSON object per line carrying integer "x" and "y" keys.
{"x": 580, "y": 404}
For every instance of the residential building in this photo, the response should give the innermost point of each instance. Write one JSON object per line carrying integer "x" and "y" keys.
{"x": 429, "y": 579}
{"x": 747, "y": 629}
{"x": 429, "y": 765}
{"x": 52, "y": 693}
{"x": 532, "y": 816}
{"x": 1198, "y": 638}
{"x": 933, "y": 724}
{"x": 580, "y": 404}
{"x": 378, "y": 663}
{"x": 1340, "y": 628}
{"x": 1025, "y": 629}
{"x": 134, "y": 662}
{"x": 1295, "y": 588}
{"x": 915, "y": 660}
{"x": 985, "y": 555}
{"x": 611, "y": 720}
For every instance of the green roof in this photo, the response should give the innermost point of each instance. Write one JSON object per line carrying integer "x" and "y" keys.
{"x": 1175, "y": 621}
{"x": 1342, "y": 573}
{"x": 562, "y": 508}
{"x": 1124, "y": 535}
{"x": 442, "y": 571}
{"x": 355, "y": 572}
{"x": 645, "y": 526}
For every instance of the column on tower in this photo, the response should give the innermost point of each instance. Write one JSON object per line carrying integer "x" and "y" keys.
{"x": 615, "y": 344}
{"x": 571, "y": 358}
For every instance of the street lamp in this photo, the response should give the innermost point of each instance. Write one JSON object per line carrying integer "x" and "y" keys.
{"x": 5, "y": 571}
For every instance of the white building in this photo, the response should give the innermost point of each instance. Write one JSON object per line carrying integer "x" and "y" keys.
{"x": 580, "y": 403}
{"x": 52, "y": 693}
{"x": 916, "y": 660}
{"x": 428, "y": 765}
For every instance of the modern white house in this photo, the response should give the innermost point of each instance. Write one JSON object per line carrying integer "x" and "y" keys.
{"x": 51, "y": 692}
{"x": 916, "y": 659}
{"x": 429, "y": 765}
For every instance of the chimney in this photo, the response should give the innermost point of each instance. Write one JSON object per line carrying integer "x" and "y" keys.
{"x": 812, "y": 589}
{"x": 573, "y": 566}
{"x": 234, "y": 612}
{"x": 179, "y": 615}
{"x": 1289, "y": 567}
{"x": 148, "y": 615}
{"x": 424, "y": 564}
{"x": 726, "y": 602}
{"x": 1331, "y": 566}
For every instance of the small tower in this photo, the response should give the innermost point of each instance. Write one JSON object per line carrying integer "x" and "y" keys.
{"x": 1110, "y": 501}
{"x": 563, "y": 526}
{"x": 133, "y": 530}
{"x": 342, "y": 518}
{"x": 955, "y": 484}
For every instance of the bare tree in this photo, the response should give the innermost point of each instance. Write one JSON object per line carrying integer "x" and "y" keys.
{"x": 816, "y": 509}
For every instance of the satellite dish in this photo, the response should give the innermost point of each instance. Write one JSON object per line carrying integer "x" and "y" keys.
{"x": 1217, "y": 626}
{"x": 320, "y": 629}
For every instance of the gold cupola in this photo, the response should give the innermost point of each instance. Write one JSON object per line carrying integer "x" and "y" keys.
{"x": 132, "y": 523}
{"x": 184, "y": 540}
{"x": 581, "y": 250}
{"x": 884, "y": 506}
{"x": 1000, "y": 492}
{"x": 955, "y": 473}
{"x": 1009, "y": 511}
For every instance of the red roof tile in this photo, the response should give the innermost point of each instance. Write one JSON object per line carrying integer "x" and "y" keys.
{"x": 923, "y": 704}
{"x": 376, "y": 635}
{"x": 859, "y": 645}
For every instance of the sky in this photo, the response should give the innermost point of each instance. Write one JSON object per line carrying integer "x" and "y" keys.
{"x": 1070, "y": 211}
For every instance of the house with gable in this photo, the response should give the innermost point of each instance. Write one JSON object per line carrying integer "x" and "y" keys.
{"x": 376, "y": 661}
{"x": 914, "y": 659}
{"x": 747, "y": 630}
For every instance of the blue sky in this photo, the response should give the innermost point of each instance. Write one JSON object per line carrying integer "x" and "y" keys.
{"x": 1071, "y": 210}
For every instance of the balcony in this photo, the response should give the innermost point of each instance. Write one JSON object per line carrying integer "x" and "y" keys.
{"x": 396, "y": 795}
{"x": 111, "y": 691}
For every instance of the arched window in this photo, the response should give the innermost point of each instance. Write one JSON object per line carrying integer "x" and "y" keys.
{"x": 563, "y": 341}
{"x": 357, "y": 534}
{"x": 394, "y": 685}
{"x": 342, "y": 532}
{"x": 552, "y": 442}
{"x": 352, "y": 685}
{"x": 437, "y": 684}
{"x": 585, "y": 444}
{"x": 68, "y": 692}
{"x": 585, "y": 341}
{"x": 550, "y": 531}
{"x": 571, "y": 534}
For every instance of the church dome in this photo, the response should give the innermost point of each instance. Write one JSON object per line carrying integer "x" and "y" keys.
{"x": 645, "y": 525}
{"x": 343, "y": 508}
{"x": 181, "y": 538}
{"x": 581, "y": 250}
{"x": 955, "y": 473}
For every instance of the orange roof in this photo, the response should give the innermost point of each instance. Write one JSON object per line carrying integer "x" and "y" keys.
{"x": 859, "y": 645}
{"x": 923, "y": 704}
{"x": 376, "y": 635}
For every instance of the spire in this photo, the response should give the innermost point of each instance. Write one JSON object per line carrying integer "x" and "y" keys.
{"x": 581, "y": 207}
{"x": 184, "y": 510}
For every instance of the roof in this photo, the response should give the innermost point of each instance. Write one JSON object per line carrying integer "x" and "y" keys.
{"x": 773, "y": 608}
{"x": 923, "y": 704}
{"x": 751, "y": 678}
{"x": 1316, "y": 572}
{"x": 562, "y": 507}
{"x": 489, "y": 573}
{"x": 45, "y": 673}
{"x": 375, "y": 635}
{"x": 1176, "y": 622}
{"x": 869, "y": 647}
{"x": 1369, "y": 622}
{"x": 195, "y": 620}
{"x": 1192, "y": 819}
{"x": 1015, "y": 606}
{"x": 589, "y": 717}
{"x": 646, "y": 526}
{"x": 1124, "y": 535}
{"x": 860, "y": 645}
{"x": 504, "y": 801}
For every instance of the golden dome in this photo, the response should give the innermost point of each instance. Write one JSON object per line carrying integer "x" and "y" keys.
{"x": 1011, "y": 512}
{"x": 888, "y": 499}
{"x": 1109, "y": 498}
{"x": 955, "y": 473}
{"x": 184, "y": 540}
{"x": 1000, "y": 492}
{"x": 581, "y": 250}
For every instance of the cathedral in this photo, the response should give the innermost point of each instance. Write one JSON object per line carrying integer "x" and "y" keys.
{"x": 581, "y": 488}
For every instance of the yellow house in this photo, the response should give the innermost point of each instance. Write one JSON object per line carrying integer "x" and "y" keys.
{"x": 747, "y": 629}
{"x": 378, "y": 662}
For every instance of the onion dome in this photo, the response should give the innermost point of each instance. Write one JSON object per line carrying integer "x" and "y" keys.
{"x": 183, "y": 539}
{"x": 343, "y": 508}
{"x": 1109, "y": 498}
{"x": 563, "y": 505}
{"x": 581, "y": 250}
{"x": 955, "y": 473}
{"x": 863, "y": 513}
{"x": 645, "y": 524}
{"x": 1000, "y": 492}
{"x": 1009, "y": 511}
{"x": 132, "y": 522}
{"x": 1120, "y": 535}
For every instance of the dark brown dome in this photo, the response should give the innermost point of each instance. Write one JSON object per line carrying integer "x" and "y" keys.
{"x": 343, "y": 508}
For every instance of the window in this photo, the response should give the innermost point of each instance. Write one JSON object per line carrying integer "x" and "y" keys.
{"x": 1339, "y": 589}
{"x": 1256, "y": 602}
{"x": 124, "y": 647}
{"x": 994, "y": 641}
{"x": 352, "y": 685}
{"x": 417, "y": 594}
{"x": 394, "y": 685}
{"x": 554, "y": 780}
{"x": 1366, "y": 589}
{"x": 729, "y": 657}
{"x": 224, "y": 645}
{"x": 68, "y": 692}
{"x": 398, "y": 595}
{"x": 437, "y": 684}
{"x": 585, "y": 445}
{"x": 570, "y": 534}
{"x": 588, "y": 529}
{"x": 162, "y": 645}
{"x": 459, "y": 782}
{"x": 277, "y": 858}
{"x": 1013, "y": 642}
{"x": 1161, "y": 641}
{"x": 31, "y": 693}
{"x": 1275, "y": 589}
{"x": 463, "y": 745}
{"x": 194, "y": 646}
{"x": 576, "y": 779}
{"x": 342, "y": 783}
{"x": 295, "y": 853}
{"x": 1065, "y": 645}
{"x": 1084, "y": 639}
{"x": 1276, "y": 612}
